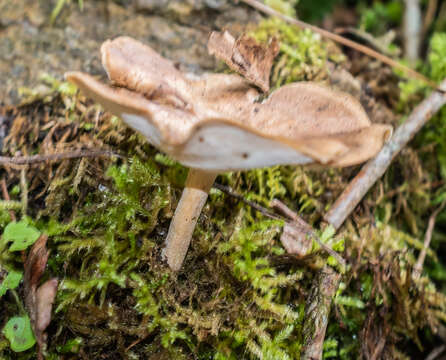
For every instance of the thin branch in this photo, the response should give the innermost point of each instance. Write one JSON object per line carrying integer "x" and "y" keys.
{"x": 227, "y": 190}
{"x": 435, "y": 353}
{"x": 24, "y": 191}
{"x": 376, "y": 167}
{"x": 27, "y": 160}
{"x": 412, "y": 29}
{"x": 342, "y": 40}
{"x": 429, "y": 16}
{"x": 379, "y": 347}
{"x": 418, "y": 268}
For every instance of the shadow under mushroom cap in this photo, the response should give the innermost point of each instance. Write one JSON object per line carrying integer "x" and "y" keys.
{"x": 215, "y": 122}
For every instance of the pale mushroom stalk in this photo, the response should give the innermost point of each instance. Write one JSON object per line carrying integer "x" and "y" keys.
{"x": 189, "y": 208}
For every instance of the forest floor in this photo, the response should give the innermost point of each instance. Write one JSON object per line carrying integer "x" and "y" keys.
{"x": 239, "y": 295}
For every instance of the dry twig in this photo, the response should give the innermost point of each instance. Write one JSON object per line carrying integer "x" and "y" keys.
{"x": 429, "y": 16}
{"x": 34, "y": 159}
{"x": 418, "y": 268}
{"x": 227, "y": 190}
{"x": 376, "y": 167}
{"x": 435, "y": 353}
{"x": 412, "y": 29}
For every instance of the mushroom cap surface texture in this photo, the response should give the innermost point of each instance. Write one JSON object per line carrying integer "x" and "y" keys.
{"x": 217, "y": 122}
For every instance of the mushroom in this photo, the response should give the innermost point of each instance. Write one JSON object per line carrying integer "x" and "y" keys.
{"x": 216, "y": 123}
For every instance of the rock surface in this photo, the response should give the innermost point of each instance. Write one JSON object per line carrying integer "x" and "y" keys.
{"x": 30, "y": 46}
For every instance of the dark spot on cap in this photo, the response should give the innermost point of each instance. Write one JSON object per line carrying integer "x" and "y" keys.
{"x": 245, "y": 155}
{"x": 200, "y": 139}
{"x": 323, "y": 107}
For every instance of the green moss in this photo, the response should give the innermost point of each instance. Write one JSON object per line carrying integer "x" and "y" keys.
{"x": 264, "y": 317}
{"x": 413, "y": 91}
{"x": 437, "y": 56}
{"x": 378, "y": 18}
{"x": 303, "y": 54}
{"x": 286, "y": 7}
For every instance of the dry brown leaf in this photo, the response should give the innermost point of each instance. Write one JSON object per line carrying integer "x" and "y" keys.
{"x": 296, "y": 239}
{"x": 45, "y": 296}
{"x": 39, "y": 299}
{"x": 246, "y": 56}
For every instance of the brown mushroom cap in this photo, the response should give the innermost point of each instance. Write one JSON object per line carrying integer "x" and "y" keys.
{"x": 216, "y": 123}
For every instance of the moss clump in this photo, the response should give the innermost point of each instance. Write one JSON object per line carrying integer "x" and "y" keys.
{"x": 286, "y": 7}
{"x": 117, "y": 250}
{"x": 303, "y": 54}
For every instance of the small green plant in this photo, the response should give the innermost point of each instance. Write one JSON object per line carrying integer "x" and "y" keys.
{"x": 17, "y": 330}
{"x": 19, "y": 333}
{"x": 437, "y": 56}
{"x": 20, "y": 234}
{"x": 59, "y": 6}
{"x": 376, "y": 19}
{"x": 11, "y": 281}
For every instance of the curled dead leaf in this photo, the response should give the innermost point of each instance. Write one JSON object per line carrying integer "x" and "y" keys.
{"x": 39, "y": 299}
{"x": 45, "y": 297}
{"x": 296, "y": 239}
{"x": 245, "y": 56}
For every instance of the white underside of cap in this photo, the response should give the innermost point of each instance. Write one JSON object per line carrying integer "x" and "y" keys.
{"x": 140, "y": 124}
{"x": 222, "y": 147}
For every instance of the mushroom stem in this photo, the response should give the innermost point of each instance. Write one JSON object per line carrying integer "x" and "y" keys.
{"x": 182, "y": 226}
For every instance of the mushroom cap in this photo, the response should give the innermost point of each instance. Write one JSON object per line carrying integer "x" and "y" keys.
{"x": 216, "y": 121}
